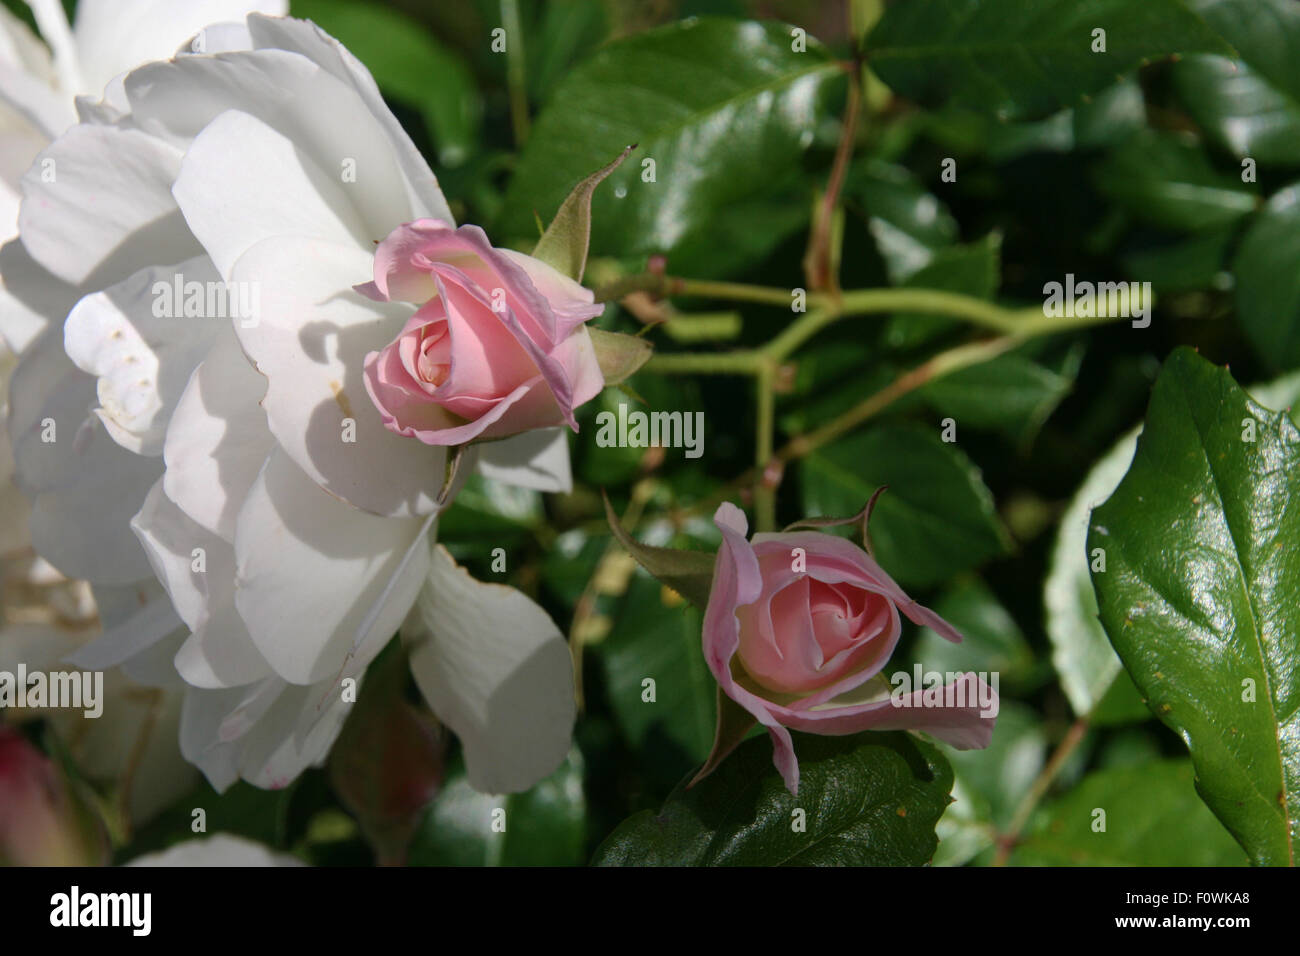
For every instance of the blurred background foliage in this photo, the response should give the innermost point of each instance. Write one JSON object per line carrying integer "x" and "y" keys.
{"x": 1141, "y": 179}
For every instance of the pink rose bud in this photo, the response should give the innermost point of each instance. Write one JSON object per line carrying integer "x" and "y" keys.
{"x": 799, "y": 622}
{"x": 497, "y": 345}
{"x": 41, "y": 822}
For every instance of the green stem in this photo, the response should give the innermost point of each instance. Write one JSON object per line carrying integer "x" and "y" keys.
{"x": 707, "y": 363}
{"x": 737, "y": 291}
{"x": 945, "y": 363}
{"x": 798, "y": 332}
{"x": 450, "y": 469}
{"x": 1028, "y": 321}
{"x": 821, "y": 262}
{"x": 825, "y": 309}
{"x": 1017, "y": 325}
{"x": 515, "y": 70}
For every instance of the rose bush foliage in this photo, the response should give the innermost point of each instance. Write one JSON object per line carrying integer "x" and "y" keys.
{"x": 310, "y": 321}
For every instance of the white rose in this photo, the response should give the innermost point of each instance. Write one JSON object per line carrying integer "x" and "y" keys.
{"x": 290, "y": 554}
{"x": 133, "y": 745}
{"x": 39, "y": 83}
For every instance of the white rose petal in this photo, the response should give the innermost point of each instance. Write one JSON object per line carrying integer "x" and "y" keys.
{"x": 496, "y": 670}
{"x": 220, "y": 849}
{"x": 217, "y": 439}
{"x": 142, "y": 360}
{"x": 310, "y": 568}
{"x": 84, "y": 486}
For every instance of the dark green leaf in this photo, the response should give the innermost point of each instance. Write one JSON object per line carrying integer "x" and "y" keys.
{"x": 937, "y": 517}
{"x": 1131, "y": 747}
{"x": 1152, "y": 818}
{"x": 739, "y": 237}
{"x": 908, "y": 223}
{"x": 868, "y": 800}
{"x": 1023, "y": 60}
{"x": 575, "y": 556}
{"x": 1013, "y": 393}
{"x": 567, "y": 32}
{"x": 1193, "y": 262}
{"x": 486, "y": 515}
{"x": 723, "y": 108}
{"x": 1267, "y": 270}
{"x": 1167, "y": 180}
{"x": 1201, "y": 592}
{"x": 1250, "y": 104}
{"x": 1115, "y": 114}
{"x": 654, "y": 636}
{"x": 992, "y": 639}
{"x": 1240, "y": 108}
